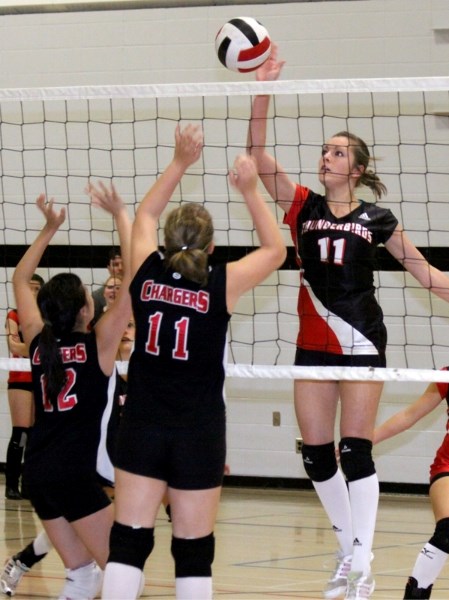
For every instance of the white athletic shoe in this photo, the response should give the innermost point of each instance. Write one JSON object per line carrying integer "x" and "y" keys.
{"x": 12, "y": 573}
{"x": 83, "y": 583}
{"x": 359, "y": 586}
{"x": 336, "y": 586}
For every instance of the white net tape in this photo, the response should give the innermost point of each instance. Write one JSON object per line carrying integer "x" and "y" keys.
{"x": 286, "y": 372}
{"x": 305, "y": 86}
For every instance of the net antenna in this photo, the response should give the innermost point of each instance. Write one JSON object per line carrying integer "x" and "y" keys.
{"x": 55, "y": 140}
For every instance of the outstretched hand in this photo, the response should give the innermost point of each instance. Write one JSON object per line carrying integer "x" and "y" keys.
{"x": 188, "y": 144}
{"x": 106, "y": 198}
{"x": 271, "y": 68}
{"x": 243, "y": 176}
{"x": 53, "y": 218}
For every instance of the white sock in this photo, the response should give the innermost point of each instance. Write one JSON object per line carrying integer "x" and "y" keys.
{"x": 428, "y": 565}
{"x": 121, "y": 582}
{"x": 193, "y": 588}
{"x": 334, "y": 497}
{"x": 84, "y": 582}
{"x": 42, "y": 544}
{"x": 364, "y": 498}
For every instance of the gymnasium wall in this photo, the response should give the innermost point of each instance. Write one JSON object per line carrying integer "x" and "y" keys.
{"x": 341, "y": 39}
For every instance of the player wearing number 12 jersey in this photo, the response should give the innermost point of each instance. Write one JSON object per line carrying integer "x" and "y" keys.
{"x": 73, "y": 370}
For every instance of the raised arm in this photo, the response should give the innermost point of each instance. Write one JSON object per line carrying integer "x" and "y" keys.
{"x": 109, "y": 329}
{"x": 273, "y": 176}
{"x": 406, "y": 418}
{"x": 188, "y": 147}
{"x": 29, "y": 315}
{"x": 246, "y": 273}
{"x": 431, "y": 278}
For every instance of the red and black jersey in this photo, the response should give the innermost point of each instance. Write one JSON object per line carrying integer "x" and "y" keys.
{"x": 65, "y": 437}
{"x": 337, "y": 308}
{"x": 17, "y": 376}
{"x": 443, "y": 388}
{"x": 176, "y": 371}
{"x": 440, "y": 465}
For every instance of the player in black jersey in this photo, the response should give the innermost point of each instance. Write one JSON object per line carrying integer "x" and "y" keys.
{"x": 172, "y": 432}
{"x": 73, "y": 370}
{"x": 21, "y": 562}
{"x": 341, "y": 324}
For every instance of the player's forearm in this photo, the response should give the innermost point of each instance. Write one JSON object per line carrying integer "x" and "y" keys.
{"x": 124, "y": 228}
{"x": 257, "y": 131}
{"x": 162, "y": 190}
{"x": 31, "y": 259}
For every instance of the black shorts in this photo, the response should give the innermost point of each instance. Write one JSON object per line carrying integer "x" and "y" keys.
{"x": 72, "y": 500}
{"x": 312, "y": 358}
{"x": 27, "y": 386}
{"x": 190, "y": 458}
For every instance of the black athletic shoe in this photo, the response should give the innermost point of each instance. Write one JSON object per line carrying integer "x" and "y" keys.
{"x": 168, "y": 512}
{"x": 413, "y": 592}
{"x": 12, "y": 494}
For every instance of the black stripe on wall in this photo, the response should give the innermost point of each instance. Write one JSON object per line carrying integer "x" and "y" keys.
{"x": 96, "y": 257}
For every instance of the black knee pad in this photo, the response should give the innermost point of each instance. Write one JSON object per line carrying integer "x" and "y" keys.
{"x": 355, "y": 458}
{"x": 320, "y": 462}
{"x": 193, "y": 557}
{"x": 130, "y": 546}
{"x": 19, "y": 436}
{"x": 440, "y": 538}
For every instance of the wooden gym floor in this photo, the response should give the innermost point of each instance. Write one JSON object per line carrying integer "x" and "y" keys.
{"x": 271, "y": 544}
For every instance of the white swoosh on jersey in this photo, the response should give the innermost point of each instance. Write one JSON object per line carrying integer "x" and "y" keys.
{"x": 350, "y": 339}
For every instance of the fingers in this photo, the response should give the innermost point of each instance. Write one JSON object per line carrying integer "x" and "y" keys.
{"x": 190, "y": 136}
{"x": 101, "y": 193}
{"x": 43, "y": 204}
{"x": 272, "y": 67}
{"x": 244, "y": 172}
{"x": 53, "y": 218}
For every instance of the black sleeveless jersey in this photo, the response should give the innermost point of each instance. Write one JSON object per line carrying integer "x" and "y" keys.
{"x": 176, "y": 371}
{"x": 337, "y": 307}
{"x": 65, "y": 437}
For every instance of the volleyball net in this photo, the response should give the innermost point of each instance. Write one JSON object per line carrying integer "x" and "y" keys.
{"x": 54, "y": 140}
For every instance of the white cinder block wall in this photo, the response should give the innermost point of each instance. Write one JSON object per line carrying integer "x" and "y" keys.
{"x": 340, "y": 39}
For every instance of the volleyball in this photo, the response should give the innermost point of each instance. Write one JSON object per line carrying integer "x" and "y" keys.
{"x": 243, "y": 44}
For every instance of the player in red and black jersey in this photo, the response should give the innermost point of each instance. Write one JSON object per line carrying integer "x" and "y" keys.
{"x": 432, "y": 558}
{"x": 338, "y": 311}
{"x": 341, "y": 324}
{"x": 172, "y": 431}
{"x": 20, "y": 400}
{"x": 73, "y": 370}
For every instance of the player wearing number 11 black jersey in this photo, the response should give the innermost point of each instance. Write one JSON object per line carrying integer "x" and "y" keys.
{"x": 172, "y": 432}
{"x": 341, "y": 324}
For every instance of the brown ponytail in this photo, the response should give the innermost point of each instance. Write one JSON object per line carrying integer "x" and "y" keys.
{"x": 188, "y": 235}
{"x": 362, "y": 158}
